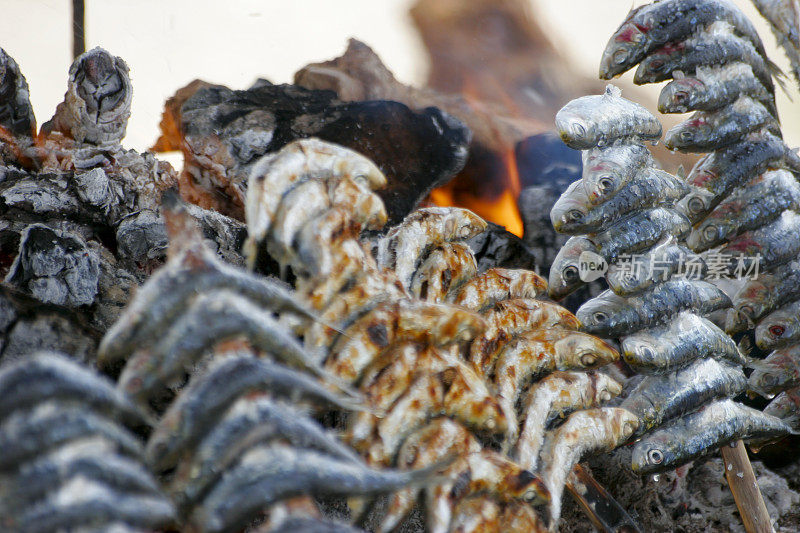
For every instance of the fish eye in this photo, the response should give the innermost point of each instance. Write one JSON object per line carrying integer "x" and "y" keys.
{"x": 680, "y": 96}
{"x": 600, "y": 316}
{"x": 777, "y": 330}
{"x": 746, "y": 312}
{"x": 491, "y": 423}
{"x": 695, "y": 205}
{"x": 588, "y": 359}
{"x": 574, "y": 215}
{"x": 628, "y": 429}
{"x": 465, "y": 232}
{"x": 646, "y": 352}
{"x": 606, "y": 183}
{"x": 570, "y": 273}
{"x": 530, "y": 495}
{"x": 578, "y": 130}
{"x": 620, "y": 56}
{"x": 657, "y": 65}
{"x": 655, "y": 457}
{"x": 710, "y": 233}
{"x": 687, "y": 136}
{"x": 605, "y": 396}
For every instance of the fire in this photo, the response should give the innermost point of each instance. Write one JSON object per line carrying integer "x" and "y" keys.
{"x": 500, "y": 208}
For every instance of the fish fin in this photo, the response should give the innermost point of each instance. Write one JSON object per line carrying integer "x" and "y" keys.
{"x": 780, "y": 78}
{"x": 431, "y": 475}
{"x": 681, "y": 172}
{"x": 613, "y": 90}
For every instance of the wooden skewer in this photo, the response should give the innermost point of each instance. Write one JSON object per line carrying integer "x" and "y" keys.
{"x": 743, "y": 485}
{"x": 603, "y": 510}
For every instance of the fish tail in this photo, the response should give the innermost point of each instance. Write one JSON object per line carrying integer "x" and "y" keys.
{"x": 780, "y": 78}
{"x": 431, "y": 475}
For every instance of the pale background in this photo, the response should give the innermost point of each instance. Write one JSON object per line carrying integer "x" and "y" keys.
{"x": 168, "y": 43}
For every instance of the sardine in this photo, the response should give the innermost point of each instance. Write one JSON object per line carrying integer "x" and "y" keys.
{"x": 210, "y": 393}
{"x": 570, "y": 208}
{"x": 169, "y": 291}
{"x": 266, "y": 474}
{"x": 565, "y": 275}
{"x": 714, "y": 87}
{"x": 497, "y": 284}
{"x": 653, "y": 25}
{"x": 640, "y": 231}
{"x": 317, "y": 241}
{"x": 706, "y": 131}
{"x": 650, "y": 188}
{"x": 608, "y": 169}
{"x": 275, "y": 173}
{"x": 694, "y": 435}
{"x": 97, "y": 103}
{"x": 786, "y": 406}
{"x": 773, "y": 244}
{"x": 50, "y": 376}
{"x": 29, "y": 433}
{"x": 445, "y": 268}
{"x": 518, "y": 516}
{"x": 784, "y": 19}
{"x": 440, "y": 438}
{"x": 556, "y": 396}
{"x": 404, "y": 245}
{"x": 211, "y": 318}
{"x": 589, "y": 431}
{"x": 686, "y": 338}
{"x": 405, "y": 320}
{"x": 657, "y": 399}
{"x": 83, "y": 503}
{"x": 610, "y": 315}
{"x": 779, "y": 328}
{"x": 513, "y": 317}
{"x": 599, "y": 120}
{"x": 248, "y": 422}
{"x": 468, "y": 400}
{"x": 638, "y": 272}
{"x": 778, "y": 372}
{"x": 476, "y": 513}
{"x": 733, "y": 166}
{"x": 762, "y": 295}
{"x": 718, "y": 44}
{"x": 759, "y": 202}
{"x": 92, "y": 459}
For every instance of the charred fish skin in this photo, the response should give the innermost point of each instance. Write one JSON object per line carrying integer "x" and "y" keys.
{"x": 249, "y": 422}
{"x": 708, "y": 131}
{"x": 564, "y": 276}
{"x": 685, "y": 339}
{"x": 445, "y": 268}
{"x": 97, "y": 103}
{"x": 272, "y": 473}
{"x": 16, "y": 112}
{"x": 557, "y": 395}
{"x": 779, "y": 328}
{"x": 650, "y": 188}
{"x": 699, "y": 433}
{"x": 47, "y": 375}
{"x": 714, "y": 87}
{"x": 31, "y": 432}
{"x": 608, "y": 169}
{"x": 211, "y": 393}
{"x": 640, "y": 231}
{"x": 653, "y": 25}
{"x": 713, "y": 46}
{"x": 497, "y": 284}
{"x": 638, "y": 273}
{"x": 760, "y": 296}
{"x": 778, "y": 372}
{"x": 747, "y": 208}
{"x": 658, "y": 399}
{"x": 610, "y": 315}
{"x": 773, "y": 244}
{"x": 599, "y": 120}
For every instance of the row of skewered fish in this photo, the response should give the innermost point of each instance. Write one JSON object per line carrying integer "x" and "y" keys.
{"x": 744, "y": 194}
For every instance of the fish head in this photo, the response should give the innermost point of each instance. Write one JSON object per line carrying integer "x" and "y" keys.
{"x": 709, "y": 233}
{"x": 576, "y": 129}
{"x": 642, "y": 350}
{"x": 604, "y": 177}
{"x": 469, "y": 400}
{"x": 458, "y": 325}
{"x": 526, "y": 486}
{"x": 570, "y": 209}
{"x": 565, "y": 271}
{"x": 737, "y": 320}
{"x": 140, "y": 377}
{"x": 607, "y": 315}
{"x": 766, "y": 379}
{"x": 695, "y": 204}
{"x": 657, "y": 66}
{"x": 579, "y": 350}
{"x": 654, "y": 453}
{"x": 680, "y": 95}
{"x": 606, "y": 388}
{"x": 776, "y": 329}
{"x": 624, "y": 49}
{"x": 687, "y": 134}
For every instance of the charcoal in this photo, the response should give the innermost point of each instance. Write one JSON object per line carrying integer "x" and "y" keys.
{"x": 497, "y": 247}
{"x": 227, "y": 131}
{"x": 16, "y": 112}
